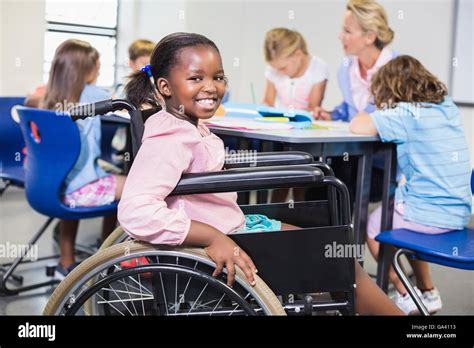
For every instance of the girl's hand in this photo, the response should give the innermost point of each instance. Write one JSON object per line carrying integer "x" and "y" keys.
{"x": 224, "y": 252}
{"x": 320, "y": 114}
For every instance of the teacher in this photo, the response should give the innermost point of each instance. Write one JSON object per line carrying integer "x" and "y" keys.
{"x": 365, "y": 37}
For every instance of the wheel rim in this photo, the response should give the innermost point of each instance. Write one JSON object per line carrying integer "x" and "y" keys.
{"x": 95, "y": 288}
{"x": 170, "y": 309}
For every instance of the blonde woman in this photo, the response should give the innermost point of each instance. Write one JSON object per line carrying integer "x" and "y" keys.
{"x": 365, "y": 38}
{"x": 294, "y": 78}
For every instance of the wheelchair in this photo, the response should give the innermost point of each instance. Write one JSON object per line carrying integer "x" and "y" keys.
{"x": 130, "y": 277}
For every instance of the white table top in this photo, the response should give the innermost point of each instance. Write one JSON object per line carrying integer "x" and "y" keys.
{"x": 337, "y": 132}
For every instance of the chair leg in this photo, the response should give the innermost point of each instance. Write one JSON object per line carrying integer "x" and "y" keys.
{"x": 6, "y": 183}
{"x": 9, "y": 272}
{"x": 406, "y": 282}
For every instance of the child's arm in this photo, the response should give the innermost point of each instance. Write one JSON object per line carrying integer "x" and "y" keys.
{"x": 270, "y": 94}
{"x": 362, "y": 124}
{"x": 316, "y": 95}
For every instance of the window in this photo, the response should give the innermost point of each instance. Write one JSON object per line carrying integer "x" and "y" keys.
{"x": 91, "y": 21}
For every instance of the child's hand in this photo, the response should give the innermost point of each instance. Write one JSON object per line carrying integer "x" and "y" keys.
{"x": 224, "y": 252}
{"x": 320, "y": 114}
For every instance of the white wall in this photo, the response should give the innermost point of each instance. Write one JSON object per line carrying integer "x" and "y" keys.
{"x": 423, "y": 28}
{"x": 150, "y": 20}
{"x": 22, "y": 27}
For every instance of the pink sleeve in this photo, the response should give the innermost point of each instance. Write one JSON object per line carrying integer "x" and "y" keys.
{"x": 142, "y": 211}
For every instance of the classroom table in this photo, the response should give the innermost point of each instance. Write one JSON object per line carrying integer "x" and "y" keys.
{"x": 333, "y": 142}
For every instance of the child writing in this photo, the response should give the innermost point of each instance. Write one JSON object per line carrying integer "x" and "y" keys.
{"x": 294, "y": 80}
{"x": 415, "y": 113}
{"x": 188, "y": 81}
{"x": 74, "y": 71}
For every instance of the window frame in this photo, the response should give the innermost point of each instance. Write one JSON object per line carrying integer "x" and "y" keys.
{"x": 86, "y": 29}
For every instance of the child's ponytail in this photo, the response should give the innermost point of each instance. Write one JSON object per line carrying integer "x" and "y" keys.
{"x": 140, "y": 90}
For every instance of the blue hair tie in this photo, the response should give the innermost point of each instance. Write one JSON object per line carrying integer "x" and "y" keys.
{"x": 147, "y": 70}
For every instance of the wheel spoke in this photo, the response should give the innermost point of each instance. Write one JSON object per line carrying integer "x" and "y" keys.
{"x": 213, "y": 310}
{"x": 133, "y": 280}
{"x": 120, "y": 299}
{"x": 238, "y": 305}
{"x": 197, "y": 299}
{"x": 111, "y": 305}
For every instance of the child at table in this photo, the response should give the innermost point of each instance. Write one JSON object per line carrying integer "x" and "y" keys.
{"x": 294, "y": 80}
{"x": 415, "y": 112}
{"x": 72, "y": 78}
{"x": 188, "y": 80}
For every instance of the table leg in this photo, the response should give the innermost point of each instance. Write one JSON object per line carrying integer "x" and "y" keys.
{"x": 362, "y": 196}
{"x": 389, "y": 183}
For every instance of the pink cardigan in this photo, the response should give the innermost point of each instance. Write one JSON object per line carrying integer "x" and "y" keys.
{"x": 171, "y": 147}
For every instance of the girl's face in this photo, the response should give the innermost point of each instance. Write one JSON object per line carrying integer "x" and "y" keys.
{"x": 197, "y": 84}
{"x": 290, "y": 65}
{"x": 354, "y": 39}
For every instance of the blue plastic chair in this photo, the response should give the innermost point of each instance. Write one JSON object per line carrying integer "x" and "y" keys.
{"x": 12, "y": 144}
{"x": 52, "y": 153}
{"x": 452, "y": 249}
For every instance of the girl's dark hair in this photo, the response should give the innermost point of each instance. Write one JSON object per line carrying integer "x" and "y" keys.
{"x": 405, "y": 79}
{"x": 164, "y": 57}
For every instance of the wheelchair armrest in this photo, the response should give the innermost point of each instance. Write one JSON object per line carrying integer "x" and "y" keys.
{"x": 264, "y": 159}
{"x": 325, "y": 168}
{"x": 248, "y": 179}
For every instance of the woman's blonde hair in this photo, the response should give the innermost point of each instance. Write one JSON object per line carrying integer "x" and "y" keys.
{"x": 371, "y": 16}
{"x": 282, "y": 43}
{"x": 405, "y": 79}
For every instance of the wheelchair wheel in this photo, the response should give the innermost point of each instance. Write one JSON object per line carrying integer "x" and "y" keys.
{"x": 116, "y": 237}
{"x": 137, "y": 278}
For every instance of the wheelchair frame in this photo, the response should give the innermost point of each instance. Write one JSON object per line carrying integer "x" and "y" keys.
{"x": 277, "y": 254}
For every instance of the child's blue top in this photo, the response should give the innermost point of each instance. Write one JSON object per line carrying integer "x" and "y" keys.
{"x": 347, "y": 109}
{"x": 86, "y": 169}
{"x": 433, "y": 155}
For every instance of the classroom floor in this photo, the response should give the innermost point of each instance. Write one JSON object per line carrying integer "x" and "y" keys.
{"x": 18, "y": 221}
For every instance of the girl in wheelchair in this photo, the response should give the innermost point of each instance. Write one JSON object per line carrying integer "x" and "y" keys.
{"x": 186, "y": 78}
